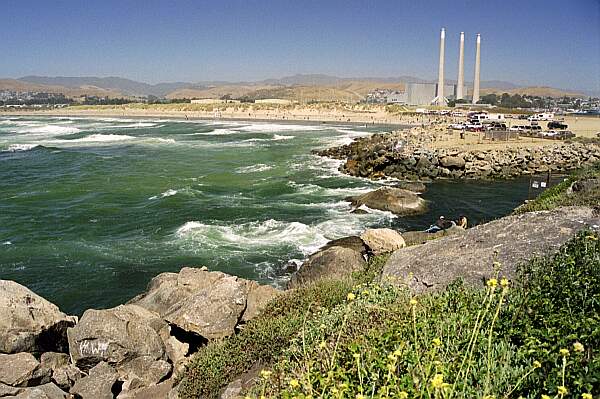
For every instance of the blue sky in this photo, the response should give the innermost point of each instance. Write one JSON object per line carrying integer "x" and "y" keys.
{"x": 545, "y": 42}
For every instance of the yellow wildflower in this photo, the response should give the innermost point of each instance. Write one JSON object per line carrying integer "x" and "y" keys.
{"x": 323, "y": 345}
{"x": 356, "y": 356}
{"x": 578, "y": 347}
{"x": 351, "y": 296}
{"x": 343, "y": 385}
{"x": 593, "y": 238}
{"x": 437, "y": 341}
{"x": 391, "y": 357}
{"x": 497, "y": 264}
{"x": 294, "y": 383}
{"x": 334, "y": 390}
{"x": 562, "y": 390}
{"x": 397, "y": 352}
{"x": 492, "y": 282}
{"x": 360, "y": 396}
{"x": 545, "y": 397}
{"x": 403, "y": 395}
{"x": 536, "y": 364}
{"x": 265, "y": 374}
{"x": 391, "y": 367}
{"x": 489, "y": 397}
{"x": 413, "y": 302}
{"x": 504, "y": 282}
{"x": 437, "y": 381}
{"x": 564, "y": 352}
{"x": 586, "y": 396}
{"x": 365, "y": 292}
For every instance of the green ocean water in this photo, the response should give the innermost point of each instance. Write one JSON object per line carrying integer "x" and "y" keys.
{"x": 92, "y": 209}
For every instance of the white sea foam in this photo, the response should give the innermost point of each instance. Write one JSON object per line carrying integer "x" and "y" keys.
{"x": 252, "y": 235}
{"x": 260, "y": 167}
{"x": 21, "y": 147}
{"x": 280, "y": 137}
{"x": 48, "y": 129}
{"x": 307, "y": 188}
{"x": 7, "y": 243}
{"x": 276, "y": 127}
{"x": 97, "y": 138}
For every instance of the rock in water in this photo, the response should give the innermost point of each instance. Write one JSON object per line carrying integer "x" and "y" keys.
{"x": 22, "y": 370}
{"x": 116, "y": 336}
{"x": 382, "y": 240}
{"x": 470, "y": 256}
{"x": 395, "y": 200}
{"x": 29, "y": 323}
{"x": 333, "y": 262}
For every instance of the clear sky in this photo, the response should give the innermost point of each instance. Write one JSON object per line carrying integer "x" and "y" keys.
{"x": 541, "y": 42}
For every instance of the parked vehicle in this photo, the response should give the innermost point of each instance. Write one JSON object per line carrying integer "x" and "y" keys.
{"x": 458, "y": 126}
{"x": 557, "y": 125}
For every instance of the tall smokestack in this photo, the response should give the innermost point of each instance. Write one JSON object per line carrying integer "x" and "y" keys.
{"x": 461, "y": 68}
{"x": 440, "y": 91}
{"x": 477, "y": 62}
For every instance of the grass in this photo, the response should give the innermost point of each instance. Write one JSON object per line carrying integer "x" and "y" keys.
{"x": 363, "y": 338}
{"x": 559, "y": 195}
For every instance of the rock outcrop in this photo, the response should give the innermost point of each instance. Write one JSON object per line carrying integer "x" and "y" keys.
{"x": 99, "y": 384}
{"x": 29, "y": 323}
{"x": 511, "y": 241}
{"x": 382, "y": 241}
{"x": 333, "y": 262}
{"x": 395, "y": 200}
{"x": 115, "y": 336}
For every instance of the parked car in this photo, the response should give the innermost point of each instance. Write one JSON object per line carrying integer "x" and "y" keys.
{"x": 475, "y": 127}
{"x": 496, "y": 126}
{"x": 557, "y": 125}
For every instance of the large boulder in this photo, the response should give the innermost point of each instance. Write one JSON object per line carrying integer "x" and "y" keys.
{"x": 395, "y": 200}
{"x": 214, "y": 312}
{"x": 333, "y": 262}
{"x": 115, "y": 336}
{"x": 99, "y": 384}
{"x": 421, "y": 237}
{"x": 511, "y": 240}
{"x": 143, "y": 371}
{"x": 414, "y": 186}
{"x": 22, "y": 370}
{"x": 382, "y": 241}
{"x": 209, "y": 304}
{"x": 159, "y": 391}
{"x": 29, "y": 323}
{"x": 453, "y": 162}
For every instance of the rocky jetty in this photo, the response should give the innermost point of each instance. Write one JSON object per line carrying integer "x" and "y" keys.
{"x": 134, "y": 350}
{"x": 402, "y": 156}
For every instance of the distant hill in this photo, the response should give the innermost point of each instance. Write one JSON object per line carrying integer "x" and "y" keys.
{"x": 126, "y": 86}
{"x": 542, "y": 91}
{"x": 19, "y": 85}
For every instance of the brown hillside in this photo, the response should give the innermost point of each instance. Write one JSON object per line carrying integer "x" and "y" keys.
{"x": 18, "y": 85}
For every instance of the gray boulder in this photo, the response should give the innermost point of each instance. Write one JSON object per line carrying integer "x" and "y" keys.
{"x": 29, "y": 323}
{"x": 414, "y": 186}
{"x": 159, "y": 391}
{"x": 382, "y": 241}
{"x": 115, "y": 336}
{"x": 98, "y": 384}
{"x": 470, "y": 256}
{"x": 395, "y": 200}
{"x": 333, "y": 262}
{"x": 421, "y": 237}
{"x": 7, "y": 390}
{"x": 209, "y": 304}
{"x": 46, "y": 391}
{"x": 22, "y": 370}
{"x": 453, "y": 162}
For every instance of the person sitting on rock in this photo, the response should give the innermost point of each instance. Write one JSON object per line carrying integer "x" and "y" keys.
{"x": 440, "y": 224}
{"x": 462, "y": 222}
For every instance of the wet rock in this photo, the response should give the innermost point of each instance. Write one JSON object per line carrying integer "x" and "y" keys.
{"x": 333, "y": 262}
{"x": 414, "y": 186}
{"x": 99, "y": 384}
{"x": 382, "y": 241}
{"x": 29, "y": 323}
{"x": 22, "y": 370}
{"x": 470, "y": 256}
{"x": 395, "y": 200}
{"x": 115, "y": 336}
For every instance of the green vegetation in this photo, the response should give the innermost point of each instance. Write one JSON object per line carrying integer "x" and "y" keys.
{"x": 361, "y": 339}
{"x": 559, "y": 195}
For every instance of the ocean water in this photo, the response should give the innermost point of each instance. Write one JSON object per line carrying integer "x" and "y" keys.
{"x": 92, "y": 208}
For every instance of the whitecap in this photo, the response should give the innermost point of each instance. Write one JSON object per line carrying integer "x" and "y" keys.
{"x": 279, "y": 137}
{"x": 21, "y": 147}
{"x": 275, "y": 127}
{"x": 99, "y": 138}
{"x": 260, "y": 167}
{"x": 7, "y": 243}
{"x": 48, "y": 129}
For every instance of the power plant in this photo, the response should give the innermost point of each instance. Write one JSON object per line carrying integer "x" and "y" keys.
{"x": 439, "y": 93}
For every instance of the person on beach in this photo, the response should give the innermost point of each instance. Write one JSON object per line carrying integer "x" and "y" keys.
{"x": 440, "y": 224}
{"x": 462, "y": 222}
